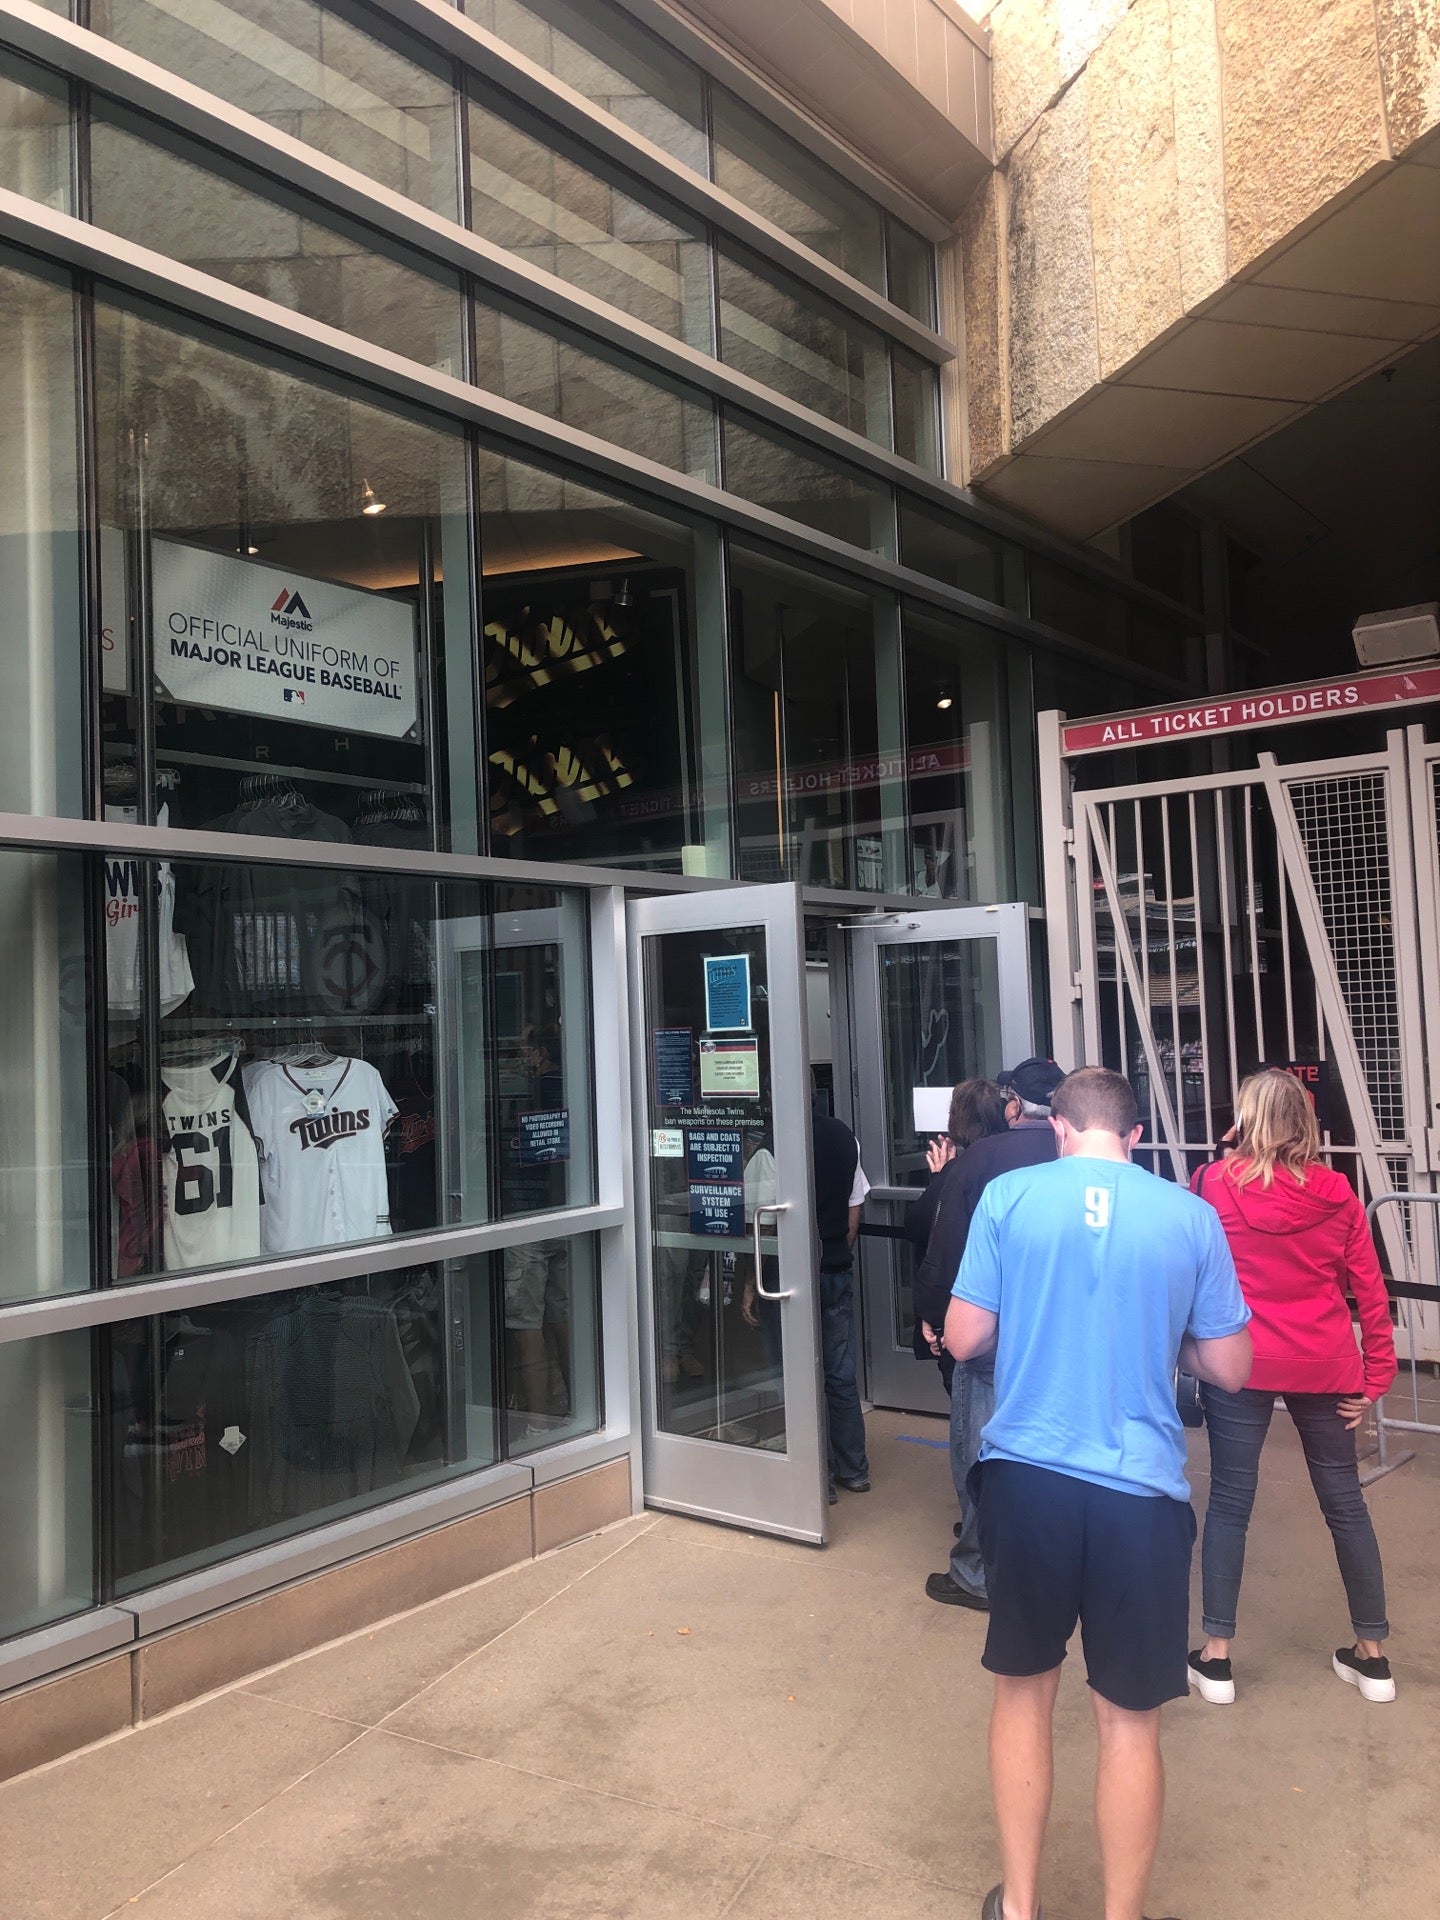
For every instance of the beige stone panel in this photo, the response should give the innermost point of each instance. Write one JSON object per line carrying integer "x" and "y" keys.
{"x": 1262, "y": 363}
{"x": 54, "y": 1718}
{"x": 568, "y": 1509}
{"x": 1302, "y": 112}
{"x": 1024, "y": 67}
{"x": 1079, "y": 498}
{"x": 1134, "y": 205}
{"x": 1054, "y": 357}
{"x": 1151, "y": 426}
{"x": 1261, "y": 305}
{"x": 1409, "y": 67}
{"x": 986, "y": 356}
{"x": 1196, "y": 104}
{"x": 1384, "y": 244}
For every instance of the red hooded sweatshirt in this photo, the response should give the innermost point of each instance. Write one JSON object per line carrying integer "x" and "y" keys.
{"x": 1296, "y": 1249}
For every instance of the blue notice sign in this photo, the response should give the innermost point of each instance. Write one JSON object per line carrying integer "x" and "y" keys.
{"x": 544, "y": 1137}
{"x": 713, "y": 1153}
{"x": 718, "y": 1209}
{"x": 674, "y": 1056}
{"x": 727, "y": 992}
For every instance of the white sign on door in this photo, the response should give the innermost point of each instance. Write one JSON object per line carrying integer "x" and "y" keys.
{"x": 250, "y": 638}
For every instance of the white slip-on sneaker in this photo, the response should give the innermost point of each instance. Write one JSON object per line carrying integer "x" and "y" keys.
{"x": 1372, "y": 1677}
{"x": 1212, "y": 1679}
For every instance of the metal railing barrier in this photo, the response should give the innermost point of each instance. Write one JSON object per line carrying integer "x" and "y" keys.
{"x": 1406, "y": 1292}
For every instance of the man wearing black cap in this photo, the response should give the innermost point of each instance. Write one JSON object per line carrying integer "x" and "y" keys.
{"x": 1029, "y": 1141}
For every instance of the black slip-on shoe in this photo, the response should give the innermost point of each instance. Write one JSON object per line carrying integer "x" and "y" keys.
{"x": 993, "y": 1906}
{"x": 941, "y": 1587}
{"x": 1372, "y": 1677}
{"x": 1213, "y": 1680}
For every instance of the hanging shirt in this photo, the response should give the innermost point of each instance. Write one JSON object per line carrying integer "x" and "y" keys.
{"x": 321, "y": 1136}
{"x": 123, "y": 880}
{"x": 211, "y": 1168}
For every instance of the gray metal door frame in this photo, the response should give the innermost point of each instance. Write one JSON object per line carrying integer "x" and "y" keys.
{"x": 892, "y": 1376}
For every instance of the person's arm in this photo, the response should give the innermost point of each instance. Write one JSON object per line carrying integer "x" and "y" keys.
{"x": 1372, "y": 1298}
{"x": 859, "y": 1187}
{"x": 853, "y": 1229}
{"x": 1224, "y": 1362}
{"x": 972, "y": 1320}
{"x": 970, "y": 1331}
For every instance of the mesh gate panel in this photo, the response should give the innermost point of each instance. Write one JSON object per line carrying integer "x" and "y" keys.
{"x": 1345, "y": 828}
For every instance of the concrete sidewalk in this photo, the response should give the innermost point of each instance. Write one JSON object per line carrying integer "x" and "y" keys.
{"x": 675, "y": 1720}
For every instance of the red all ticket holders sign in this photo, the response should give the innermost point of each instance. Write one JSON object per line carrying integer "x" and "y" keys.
{"x": 1245, "y": 712}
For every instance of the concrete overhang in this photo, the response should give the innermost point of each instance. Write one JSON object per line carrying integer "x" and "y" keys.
{"x": 906, "y": 82}
{"x": 1347, "y": 294}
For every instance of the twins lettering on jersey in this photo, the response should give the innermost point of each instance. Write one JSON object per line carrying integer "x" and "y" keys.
{"x": 324, "y": 1129}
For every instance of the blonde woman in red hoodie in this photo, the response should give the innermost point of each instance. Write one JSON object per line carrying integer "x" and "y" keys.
{"x": 1299, "y": 1239}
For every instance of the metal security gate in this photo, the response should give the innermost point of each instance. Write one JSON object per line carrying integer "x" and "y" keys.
{"x": 1283, "y": 915}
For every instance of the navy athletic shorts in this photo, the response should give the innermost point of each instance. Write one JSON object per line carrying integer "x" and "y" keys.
{"x": 1058, "y": 1551}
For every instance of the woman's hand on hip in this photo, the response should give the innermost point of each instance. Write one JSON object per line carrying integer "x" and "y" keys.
{"x": 1353, "y": 1408}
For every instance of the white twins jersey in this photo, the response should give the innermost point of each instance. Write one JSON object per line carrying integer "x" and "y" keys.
{"x": 321, "y": 1135}
{"x": 212, "y": 1171}
{"x": 123, "y": 880}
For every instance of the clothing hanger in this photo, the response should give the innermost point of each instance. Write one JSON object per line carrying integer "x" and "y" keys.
{"x": 268, "y": 790}
{"x": 205, "y": 1050}
{"x": 378, "y": 805}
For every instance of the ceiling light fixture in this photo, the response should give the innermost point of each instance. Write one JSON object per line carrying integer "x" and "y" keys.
{"x": 944, "y": 703}
{"x": 623, "y": 596}
{"x": 369, "y": 503}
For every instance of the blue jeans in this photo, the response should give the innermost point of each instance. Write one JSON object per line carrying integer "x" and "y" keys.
{"x": 845, "y": 1424}
{"x": 1238, "y": 1424}
{"x": 972, "y": 1401}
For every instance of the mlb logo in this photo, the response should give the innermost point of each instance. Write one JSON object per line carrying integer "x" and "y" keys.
{"x": 295, "y": 694}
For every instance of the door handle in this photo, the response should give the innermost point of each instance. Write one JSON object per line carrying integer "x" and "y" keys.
{"x": 780, "y": 1293}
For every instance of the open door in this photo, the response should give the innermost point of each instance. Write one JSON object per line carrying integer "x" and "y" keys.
{"x": 934, "y": 998}
{"x": 731, "y": 1388}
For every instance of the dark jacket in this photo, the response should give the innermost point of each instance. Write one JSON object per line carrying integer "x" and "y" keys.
{"x": 1029, "y": 1143}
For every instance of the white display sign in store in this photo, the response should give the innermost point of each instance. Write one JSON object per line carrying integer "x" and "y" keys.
{"x": 252, "y": 638}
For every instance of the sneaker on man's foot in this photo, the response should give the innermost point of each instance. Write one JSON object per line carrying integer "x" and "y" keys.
{"x": 860, "y": 1483}
{"x": 941, "y": 1587}
{"x": 1212, "y": 1679}
{"x": 993, "y": 1906}
{"x": 1372, "y": 1677}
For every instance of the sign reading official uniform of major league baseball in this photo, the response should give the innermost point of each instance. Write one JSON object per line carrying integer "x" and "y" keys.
{"x": 250, "y": 638}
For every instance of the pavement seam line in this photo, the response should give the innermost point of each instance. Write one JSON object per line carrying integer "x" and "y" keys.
{"x": 639, "y": 1534}
{"x": 215, "y": 1839}
{"x": 575, "y": 1786}
{"x": 729, "y": 1906}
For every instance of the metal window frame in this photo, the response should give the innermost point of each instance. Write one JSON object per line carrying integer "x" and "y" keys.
{"x": 138, "y": 83}
{"x": 62, "y": 239}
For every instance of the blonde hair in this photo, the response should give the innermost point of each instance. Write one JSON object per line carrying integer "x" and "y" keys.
{"x": 1275, "y": 1126}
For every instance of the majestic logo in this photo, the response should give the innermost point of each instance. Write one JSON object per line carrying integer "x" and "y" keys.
{"x": 287, "y": 602}
{"x": 324, "y": 1129}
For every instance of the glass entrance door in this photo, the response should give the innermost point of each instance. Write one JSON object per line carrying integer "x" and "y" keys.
{"x": 934, "y": 998}
{"x": 731, "y": 1389}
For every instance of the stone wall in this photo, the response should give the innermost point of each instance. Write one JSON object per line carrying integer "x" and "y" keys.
{"x": 1150, "y": 154}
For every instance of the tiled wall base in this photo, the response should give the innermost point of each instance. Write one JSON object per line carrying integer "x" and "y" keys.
{"x": 41, "y": 1722}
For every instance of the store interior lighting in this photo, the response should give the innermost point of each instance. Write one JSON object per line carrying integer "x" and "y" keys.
{"x": 370, "y": 503}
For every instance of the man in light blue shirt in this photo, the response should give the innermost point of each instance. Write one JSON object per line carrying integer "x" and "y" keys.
{"x": 1089, "y": 1278}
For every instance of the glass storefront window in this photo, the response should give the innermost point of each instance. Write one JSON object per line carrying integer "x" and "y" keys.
{"x": 550, "y": 1293}
{"x": 1080, "y": 607}
{"x": 47, "y": 1500}
{"x": 616, "y": 64}
{"x": 567, "y": 378}
{"x": 961, "y": 791}
{"x": 284, "y": 570}
{"x": 819, "y": 787}
{"x": 339, "y": 77}
{"x": 301, "y": 1057}
{"x": 941, "y": 545}
{"x": 536, "y": 194}
{"x": 199, "y": 208}
{"x": 777, "y": 472}
{"x": 45, "y": 1201}
{"x": 775, "y": 177}
{"x": 604, "y": 676}
{"x": 34, "y": 133}
{"x": 910, "y": 279}
{"x": 917, "y": 408}
{"x": 44, "y": 724}
{"x": 794, "y": 341}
